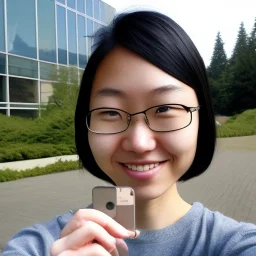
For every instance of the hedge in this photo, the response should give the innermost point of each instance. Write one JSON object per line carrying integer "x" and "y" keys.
{"x": 60, "y": 166}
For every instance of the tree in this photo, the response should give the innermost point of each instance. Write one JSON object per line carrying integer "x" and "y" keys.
{"x": 242, "y": 63}
{"x": 241, "y": 45}
{"x": 218, "y": 60}
{"x": 216, "y": 78}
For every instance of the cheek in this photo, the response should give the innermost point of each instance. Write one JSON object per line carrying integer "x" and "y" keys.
{"x": 102, "y": 147}
{"x": 181, "y": 142}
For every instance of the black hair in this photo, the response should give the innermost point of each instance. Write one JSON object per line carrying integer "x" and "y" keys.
{"x": 159, "y": 40}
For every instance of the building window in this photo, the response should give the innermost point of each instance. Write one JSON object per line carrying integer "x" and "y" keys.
{"x": 89, "y": 36}
{"x": 48, "y": 71}
{"x": 61, "y": 1}
{"x": 96, "y": 9}
{"x": 102, "y": 12}
{"x": 25, "y": 113}
{"x": 71, "y": 4}
{"x": 23, "y": 90}
{"x": 2, "y": 29}
{"x": 22, "y": 67}
{"x": 46, "y": 30}
{"x": 81, "y": 6}
{"x": 2, "y": 63}
{"x": 3, "y": 90}
{"x": 62, "y": 35}
{"x": 22, "y": 28}
{"x": 72, "y": 51}
{"x": 81, "y": 41}
{"x": 89, "y": 8}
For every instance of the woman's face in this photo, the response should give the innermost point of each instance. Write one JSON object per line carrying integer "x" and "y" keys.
{"x": 128, "y": 82}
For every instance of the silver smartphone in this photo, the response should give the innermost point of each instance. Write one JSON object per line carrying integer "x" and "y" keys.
{"x": 116, "y": 202}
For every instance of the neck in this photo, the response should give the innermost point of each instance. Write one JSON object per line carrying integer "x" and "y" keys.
{"x": 162, "y": 211}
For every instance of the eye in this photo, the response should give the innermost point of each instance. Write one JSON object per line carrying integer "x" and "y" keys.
{"x": 112, "y": 113}
{"x": 163, "y": 109}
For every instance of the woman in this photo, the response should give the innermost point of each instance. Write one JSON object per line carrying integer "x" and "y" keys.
{"x": 144, "y": 119}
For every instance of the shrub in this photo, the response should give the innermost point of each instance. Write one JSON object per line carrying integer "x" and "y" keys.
{"x": 243, "y": 124}
{"x": 60, "y": 166}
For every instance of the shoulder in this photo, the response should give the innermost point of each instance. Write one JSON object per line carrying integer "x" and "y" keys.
{"x": 37, "y": 239}
{"x": 227, "y": 235}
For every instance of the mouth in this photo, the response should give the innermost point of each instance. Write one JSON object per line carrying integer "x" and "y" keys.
{"x": 143, "y": 171}
{"x": 141, "y": 168}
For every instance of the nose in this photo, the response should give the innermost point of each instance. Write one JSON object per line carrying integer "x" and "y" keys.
{"x": 138, "y": 137}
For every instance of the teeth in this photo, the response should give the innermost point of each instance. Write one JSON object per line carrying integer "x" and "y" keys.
{"x": 141, "y": 168}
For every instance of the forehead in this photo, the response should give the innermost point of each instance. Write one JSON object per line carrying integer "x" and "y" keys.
{"x": 132, "y": 76}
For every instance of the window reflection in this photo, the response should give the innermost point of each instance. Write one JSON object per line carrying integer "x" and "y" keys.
{"x": 72, "y": 38}
{"x": 2, "y": 30}
{"x": 21, "y": 27}
{"x": 81, "y": 41}
{"x": 23, "y": 90}
{"x": 3, "y": 63}
{"x": 3, "y": 91}
{"x": 97, "y": 9}
{"x": 22, "y": 67}
{"x": 102, "y": 11}
{"x": 71, "y": 4}
{"x": 46, "y": 30}
{"x": 62, "y": 40}
{"x": 81, "y": 6}
{"x": 89, "y": 7}
{"x": 89, "y": 36}
{"x": 61, "y": 1}
{"x": 25, "y": 113}
{"x": 3, "y": 111}
{"x": 48, "y": 71}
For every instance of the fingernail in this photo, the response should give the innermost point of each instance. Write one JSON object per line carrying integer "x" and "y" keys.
{"x": 133, "y": 234}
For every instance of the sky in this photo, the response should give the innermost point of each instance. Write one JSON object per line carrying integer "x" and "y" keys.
{"x": 201, "y": 19}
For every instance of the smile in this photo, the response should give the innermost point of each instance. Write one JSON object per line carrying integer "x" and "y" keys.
{"x": 141, "y": 168}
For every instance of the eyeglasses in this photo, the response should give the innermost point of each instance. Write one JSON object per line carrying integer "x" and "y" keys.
{"x": 161, "y": 118}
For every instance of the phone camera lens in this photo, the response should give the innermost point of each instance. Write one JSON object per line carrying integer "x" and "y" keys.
{"x": 110, "y": 205}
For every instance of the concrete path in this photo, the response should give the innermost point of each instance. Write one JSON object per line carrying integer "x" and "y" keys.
{"x": 228, "y": 186}
{"x": 27, "y": 164}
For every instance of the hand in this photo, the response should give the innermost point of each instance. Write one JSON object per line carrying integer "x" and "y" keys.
{"x": 90, "y": 232}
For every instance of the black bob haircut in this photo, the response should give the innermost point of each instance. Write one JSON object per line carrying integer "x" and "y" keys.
{"x": 159, "y": 40}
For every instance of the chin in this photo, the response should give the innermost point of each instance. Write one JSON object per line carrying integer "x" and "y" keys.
{"x": 147, "y": 193}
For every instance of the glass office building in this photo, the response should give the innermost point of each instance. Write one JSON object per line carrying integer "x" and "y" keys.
{"x": 37, "y": 37}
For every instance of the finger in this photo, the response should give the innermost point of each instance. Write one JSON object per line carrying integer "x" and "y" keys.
{"x": 121, "y": 248}
{"x": 81, "y": 216}
{"x": 93, "y": 249}
{"x": 85, "y": 235}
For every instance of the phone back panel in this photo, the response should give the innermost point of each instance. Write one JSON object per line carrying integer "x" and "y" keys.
{"x": 124, "y": 200}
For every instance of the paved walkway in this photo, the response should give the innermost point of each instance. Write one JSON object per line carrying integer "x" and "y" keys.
{"x": 27, "y": 164}
{"x": 228, "y": 186}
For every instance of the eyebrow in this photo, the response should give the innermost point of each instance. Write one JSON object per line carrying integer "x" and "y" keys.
{"x": 116, "y": 92}
{"x": 110, "y": 92}
{"x": 166, "y": 88}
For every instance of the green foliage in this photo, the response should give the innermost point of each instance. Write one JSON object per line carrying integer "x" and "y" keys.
{"x": 218, "y": 60}
{"x": 234, "y": 88}
{"x": 52, "y": 134}
{"x": 239, "y": 125}
{"x": 60, "y": 166}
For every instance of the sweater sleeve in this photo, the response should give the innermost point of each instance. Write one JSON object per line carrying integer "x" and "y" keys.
{"x": 36, "y": 240}
{"x": 242, "y": 244}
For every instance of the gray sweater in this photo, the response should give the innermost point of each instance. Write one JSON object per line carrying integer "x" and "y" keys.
{"x": 199, "y": 232}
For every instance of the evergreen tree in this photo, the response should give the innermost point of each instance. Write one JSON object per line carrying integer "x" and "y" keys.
{"x": 218, "y": 60}
{"x": 241, "y": 45}
{"x": 241, "y": 65}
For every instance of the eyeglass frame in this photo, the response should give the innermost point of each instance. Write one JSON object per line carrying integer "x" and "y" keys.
{"x": 188, "y": 109}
